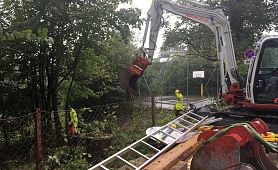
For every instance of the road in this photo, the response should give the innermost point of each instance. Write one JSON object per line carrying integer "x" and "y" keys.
{"x": 168, "y": 102}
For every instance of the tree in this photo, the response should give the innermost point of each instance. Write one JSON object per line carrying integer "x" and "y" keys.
{"x": 197, "y": 39}
{"x": 97, "y": 75}
{"x": 77, "y": 27}
{"x": 165, "y": 77}
{"x": 248, "y": 20}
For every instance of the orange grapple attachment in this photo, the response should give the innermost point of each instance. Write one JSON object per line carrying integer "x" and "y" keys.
{"x": 129, "y": 77}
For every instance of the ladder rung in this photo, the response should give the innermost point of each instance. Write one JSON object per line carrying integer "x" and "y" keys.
{"x": 187, "y": 121}
{"x": 167, "y": 134}
{"x": 196, "y": 115}
{"x": 193, "y": 118}
{"x": 103, "y": 167}
{"x": 174, "y": 129}
{"x": 139, "y": 153}
{"x": 133, "y": 166}
{"x": 154, "y": 148}
{"x": 160, "y": 140}
{"x": 181, "y": 125}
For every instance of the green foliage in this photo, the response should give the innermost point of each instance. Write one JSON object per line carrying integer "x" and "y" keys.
{"x": 122, "y": 17}
{"x": 221, "y": 104}
{"x": 14, "y": 165}
{"x": 47, "y": 43}
{"x": 243, "y": 68}
{"x": 97, "y": 74}
{"x": 198, "y": 39}
{"x": 164, "y": 78}
{"x": 41, "y": 35}
{"x": 164, "y": 116}
{"x": 135, "y": 127}
{"x": 98, "y": 128}
{"x": 67, "y": 158}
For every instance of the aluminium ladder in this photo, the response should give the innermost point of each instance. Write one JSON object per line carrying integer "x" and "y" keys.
{"x": 174, "y": 130}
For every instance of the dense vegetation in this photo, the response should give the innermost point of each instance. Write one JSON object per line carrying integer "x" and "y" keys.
{"x": 55, "y": 53}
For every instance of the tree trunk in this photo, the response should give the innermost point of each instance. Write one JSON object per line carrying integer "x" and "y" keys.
{"x": 57, "y": 123}
{"x": 56, "y": 71}
{"x": 76, "y": 60}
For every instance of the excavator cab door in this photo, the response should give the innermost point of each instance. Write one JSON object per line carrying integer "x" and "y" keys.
{"x": 265, "y": 88}
{"x": 128, "y": 78}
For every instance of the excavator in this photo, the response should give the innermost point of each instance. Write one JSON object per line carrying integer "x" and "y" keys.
{"x": 258, "y": 93}
{"x": 236, "y": 146}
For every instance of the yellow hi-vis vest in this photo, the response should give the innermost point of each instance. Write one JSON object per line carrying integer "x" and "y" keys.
{"x": 179, "y": 103}
{"x": 73, "y": 117}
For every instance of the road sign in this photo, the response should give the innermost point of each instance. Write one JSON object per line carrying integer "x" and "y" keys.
{"x": 249, "y": 53}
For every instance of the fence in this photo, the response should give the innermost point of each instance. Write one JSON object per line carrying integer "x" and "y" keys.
{"x": 36, "y": 140}
{"x": 17, "y": 141}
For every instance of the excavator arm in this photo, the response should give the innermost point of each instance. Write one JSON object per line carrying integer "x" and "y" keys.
{"x": 215, "y": 19}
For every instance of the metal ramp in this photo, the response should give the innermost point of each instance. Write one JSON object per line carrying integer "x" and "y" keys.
{"x": 157, "y": 142}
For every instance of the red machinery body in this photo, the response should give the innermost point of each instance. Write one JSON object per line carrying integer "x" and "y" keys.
{"x": 139, "y": 65}
{"x": 128, "y": 78}
{"x": 236, "y": 96}
{"x": 236, "y": 149}
{"x": 273, "y": 108}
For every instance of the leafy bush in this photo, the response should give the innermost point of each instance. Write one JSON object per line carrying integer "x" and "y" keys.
{"x": 67, "y": 158}
{"x": 97, "y": 128}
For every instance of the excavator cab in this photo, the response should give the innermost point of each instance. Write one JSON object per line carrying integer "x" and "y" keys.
{"x": 265, "y": 72}
{"x": 129, "y": 77}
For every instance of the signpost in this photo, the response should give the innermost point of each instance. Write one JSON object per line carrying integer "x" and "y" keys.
{"x": 249, "y": 54}
{"x": 200, "y": 74}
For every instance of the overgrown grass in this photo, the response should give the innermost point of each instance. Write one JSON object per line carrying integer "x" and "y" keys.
{"x": 135, "y": 128}
{"x": 125, "y": 130}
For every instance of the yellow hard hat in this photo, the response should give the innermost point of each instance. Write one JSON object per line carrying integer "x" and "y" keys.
{"x": 177, "y": 91}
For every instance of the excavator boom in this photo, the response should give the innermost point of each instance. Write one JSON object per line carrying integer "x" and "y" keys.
{"x": 215, "y": 19}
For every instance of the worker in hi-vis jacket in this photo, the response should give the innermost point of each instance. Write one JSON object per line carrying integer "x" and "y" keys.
{"x": 72, "y": 126}
{"x": 179, "y": 103}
